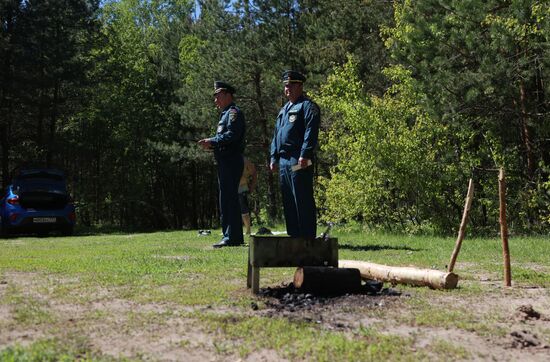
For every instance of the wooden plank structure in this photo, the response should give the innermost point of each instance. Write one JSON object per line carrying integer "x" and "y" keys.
{"x": 275, "y": 251}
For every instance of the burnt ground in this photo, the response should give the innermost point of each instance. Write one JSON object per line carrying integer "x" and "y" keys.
{"x": 332, "y": 312}
{"x": 287, "y": 300}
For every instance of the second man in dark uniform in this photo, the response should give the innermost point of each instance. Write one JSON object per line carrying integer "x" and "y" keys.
{"x": 292, "y": 152}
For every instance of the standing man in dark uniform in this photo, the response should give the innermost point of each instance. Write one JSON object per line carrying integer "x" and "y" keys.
{"x": 292, "y": 152}
{"x": 228, "y": 146}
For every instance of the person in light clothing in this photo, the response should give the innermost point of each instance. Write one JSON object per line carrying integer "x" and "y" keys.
{"x": 247, "y": 186}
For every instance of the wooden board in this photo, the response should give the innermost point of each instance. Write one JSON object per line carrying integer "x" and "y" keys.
{"x": 285, "y": 251}
{"x": 276, "y": 251}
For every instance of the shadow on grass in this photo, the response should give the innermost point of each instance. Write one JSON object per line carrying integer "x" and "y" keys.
{"x": 82, "y": 230}
{"x": 375, "y": 247}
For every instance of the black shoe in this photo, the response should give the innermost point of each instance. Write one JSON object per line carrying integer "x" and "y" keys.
{"x": 226, "y": 242}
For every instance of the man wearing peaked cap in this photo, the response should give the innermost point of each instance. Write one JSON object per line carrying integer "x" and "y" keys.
{"x": 220, "y": 86}
{"x": 228, "y": 147}
{"x": 292, "y": 153}
{"x": 292, "y": 76}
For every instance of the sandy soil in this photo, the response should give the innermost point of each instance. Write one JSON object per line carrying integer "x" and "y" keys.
{"x": 122, "y": 328}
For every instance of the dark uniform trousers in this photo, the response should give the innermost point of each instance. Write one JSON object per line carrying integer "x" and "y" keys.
{"x": 230, "y": 169}
{"x": 298, "y": 200}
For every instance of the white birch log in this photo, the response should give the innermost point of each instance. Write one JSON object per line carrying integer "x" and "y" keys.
{"x": 403, "y": 275}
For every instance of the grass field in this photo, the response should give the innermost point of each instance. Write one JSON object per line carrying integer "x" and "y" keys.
{"x": 170, "y": 296}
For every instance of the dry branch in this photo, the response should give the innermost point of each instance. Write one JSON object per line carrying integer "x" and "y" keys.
{"x": 463, "y": 223}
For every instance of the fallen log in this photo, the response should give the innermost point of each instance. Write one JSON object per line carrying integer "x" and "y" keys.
{"x": 403, "y": 275}
{"x": 327, "y": 280}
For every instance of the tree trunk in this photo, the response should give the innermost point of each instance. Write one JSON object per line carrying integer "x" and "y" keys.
{"x": 271, "y": 192}
{"x": 526, "y": 133}
{"x": 504, "y": 228}
{"x": 53, "y": 120}
{"x": 5, "y": 89}
{"x": 194, "y": 198}
{"x": 5, "y": 155}
{"x": 403, "y": 275}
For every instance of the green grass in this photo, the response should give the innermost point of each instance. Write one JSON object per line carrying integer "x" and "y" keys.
{"x": 179, "y": 270}
{"x": 529, "y": 255}
{"x": 144, "y": 267}
{"x": 300, "y": 340}
{"x": 53, "y": 350}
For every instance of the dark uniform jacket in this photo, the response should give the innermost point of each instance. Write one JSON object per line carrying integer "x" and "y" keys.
{"x": 229, "y": 139}
{"x": 296, "y": 130}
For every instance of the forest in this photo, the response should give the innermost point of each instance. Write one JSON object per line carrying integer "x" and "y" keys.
{"x": 416, "y": 98}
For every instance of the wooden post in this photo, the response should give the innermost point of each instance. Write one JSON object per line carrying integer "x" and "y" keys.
{"x": 462, "y": 229}
{"x": 249, "y": 273}
{"x": 253, "y": 276}
{"x": 504, "y": 228}
{"x": 255, "y": 279}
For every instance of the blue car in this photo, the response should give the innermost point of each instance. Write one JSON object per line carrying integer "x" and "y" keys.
{"x": 37, "y": 201}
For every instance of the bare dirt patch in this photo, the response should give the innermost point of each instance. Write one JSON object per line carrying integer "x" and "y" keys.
{"x": 502, "y": 324}
{"x": 117, "y": 327}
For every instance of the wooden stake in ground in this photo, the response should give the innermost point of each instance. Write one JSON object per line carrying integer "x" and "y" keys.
{"x": 403, "y": 275}
{"x": 462, "y": 229}
{"x": 504, "y": 228}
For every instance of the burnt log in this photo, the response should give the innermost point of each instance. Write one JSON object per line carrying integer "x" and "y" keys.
{"x": 327, "y": 280}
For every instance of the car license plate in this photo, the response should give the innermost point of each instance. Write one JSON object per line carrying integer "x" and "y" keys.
{"x": 44, "y": 220}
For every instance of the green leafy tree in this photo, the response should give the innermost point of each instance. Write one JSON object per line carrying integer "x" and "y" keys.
{"x": 387, "y": 151}
{"x": 224, "y": 45}
{"x": 483, "y": 66}
{"x": 10, "y": 13}
{"x": 250, "y": 43}
{"x": 45, "y": 45}
{"x": 131, "y": 126}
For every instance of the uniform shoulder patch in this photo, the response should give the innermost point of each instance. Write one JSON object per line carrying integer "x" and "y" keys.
{"x": 232, "y": 114}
